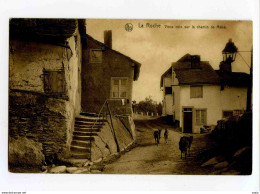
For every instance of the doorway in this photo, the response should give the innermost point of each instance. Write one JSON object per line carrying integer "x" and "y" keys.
{"x": 187, "y": 120}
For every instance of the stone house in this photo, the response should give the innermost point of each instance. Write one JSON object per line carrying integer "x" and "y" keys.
{"x": 108, "y": 74}
{"x": 197, "y": 95}
{"x": 49, "y": 91}
{"x": 44, "y": 80}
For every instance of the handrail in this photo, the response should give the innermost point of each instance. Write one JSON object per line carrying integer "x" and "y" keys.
{"x": 114, "y": 134}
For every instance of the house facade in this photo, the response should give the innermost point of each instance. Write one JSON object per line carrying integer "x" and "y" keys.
{"x": 57, "y": 73}
{"x": 107, "y": 75}
{"x": 196, "y": 95}
{"x": 44, "y": 80}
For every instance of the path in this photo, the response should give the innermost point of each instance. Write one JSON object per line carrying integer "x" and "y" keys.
{"x": 147, "y": 158}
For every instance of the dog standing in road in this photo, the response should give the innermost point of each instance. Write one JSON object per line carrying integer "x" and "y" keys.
{"x": 185, "y": 144}
{"x": 166, "y": 135}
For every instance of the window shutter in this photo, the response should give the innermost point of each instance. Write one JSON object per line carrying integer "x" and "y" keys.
{"x": 60, "y": 81}
{"x": 47, "y": 82}
{"x": 54, "y": 81}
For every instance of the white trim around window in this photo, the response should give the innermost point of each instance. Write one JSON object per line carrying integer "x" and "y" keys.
{"x": 119, "y": 86}
{"x": 201, "y": 116}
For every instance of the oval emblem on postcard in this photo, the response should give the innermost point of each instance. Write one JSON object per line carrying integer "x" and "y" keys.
{"x": 129, "y": 27}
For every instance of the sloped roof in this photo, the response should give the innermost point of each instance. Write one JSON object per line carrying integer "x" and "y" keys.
{"x": 137, "y": 64}
{"x": 42, "y": 30}
{"x": 205, "y": 74}
{"x": 164, "y": 74}
{"x": 234, "y": 78}
{"x": 186, "y": 75}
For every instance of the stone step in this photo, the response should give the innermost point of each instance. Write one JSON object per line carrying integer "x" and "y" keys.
{"x": 81, "y": 156}
{"x": 83, "y": 138}
{"x": 87, "y": 127}
{"x": 80, "y": 143}
{"x": 78, "y": 150}
{"x": 81, "y": 133}
{"x": 91, "y": 119}
{"x": 88, "y": 123}
{"x": 89, "y": 114}
{"x": 81, "y": 129}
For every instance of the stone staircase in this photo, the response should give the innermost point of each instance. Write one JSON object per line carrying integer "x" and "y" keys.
{"x": 83, "y": 135}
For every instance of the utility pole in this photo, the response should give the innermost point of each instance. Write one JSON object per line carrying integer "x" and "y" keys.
{"x": 229, "y": 55}
{"x": 250, "y": 84}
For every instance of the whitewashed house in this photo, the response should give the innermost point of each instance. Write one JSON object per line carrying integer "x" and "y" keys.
{"x": 197, "y": 95}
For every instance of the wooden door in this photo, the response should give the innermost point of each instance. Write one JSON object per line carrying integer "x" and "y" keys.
{"x": 187, "y": 122}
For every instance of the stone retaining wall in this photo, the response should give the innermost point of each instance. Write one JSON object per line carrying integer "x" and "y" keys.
{"x": 105, "y": 143}
{"x": 29, "y": 116}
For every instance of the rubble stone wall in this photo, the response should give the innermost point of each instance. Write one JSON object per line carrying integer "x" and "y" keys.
{"x": 29, "y": 116}
{"x": 48, "y": 119}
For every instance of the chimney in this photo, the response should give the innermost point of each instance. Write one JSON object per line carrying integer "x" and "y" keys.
{"x": 195, "y": 62}
{"x": 225, "y": 67}
{"x": 108, "y": 38}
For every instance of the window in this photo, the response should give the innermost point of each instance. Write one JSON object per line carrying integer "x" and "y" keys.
{"x": 95, "y": 56}
{"x": 187, "y": 109}
{"x": 119, "y": 87}
{"x": 196, "y": 92}
{"x": 168, "y": 90}
{"x": 201, "y": 117}
{"x": 54, "y": 81}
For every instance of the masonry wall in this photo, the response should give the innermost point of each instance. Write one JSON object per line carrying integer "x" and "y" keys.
{"x": 48, "y": 119}
{"x": 233, "y": 98}
{"x": 96, "y": 79}
{"x": 105, "y": 143}
{"x": 30, "y": 116}
{"x": 73, "y": 80}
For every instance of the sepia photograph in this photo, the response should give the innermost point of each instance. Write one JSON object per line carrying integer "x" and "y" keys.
{"x": 130, "y": 96}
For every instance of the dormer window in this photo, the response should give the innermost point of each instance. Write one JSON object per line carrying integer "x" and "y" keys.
{"x": 95, "y": 56}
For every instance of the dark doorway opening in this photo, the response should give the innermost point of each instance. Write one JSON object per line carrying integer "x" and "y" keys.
{"x": 187, "y": 120}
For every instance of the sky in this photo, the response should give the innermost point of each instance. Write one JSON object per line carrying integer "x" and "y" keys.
{"x": 157, "y": 43}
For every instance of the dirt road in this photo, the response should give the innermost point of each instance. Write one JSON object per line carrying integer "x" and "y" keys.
{"x": 147, "y": 158}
